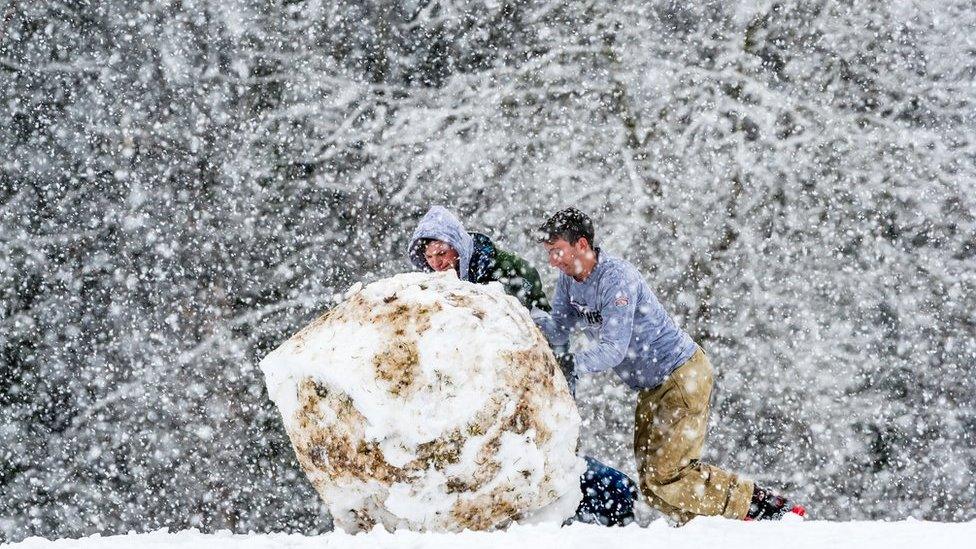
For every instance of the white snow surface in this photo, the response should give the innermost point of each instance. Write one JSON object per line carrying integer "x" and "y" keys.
{"x": 420, "y": 361}
{"x": 699, "y": 534}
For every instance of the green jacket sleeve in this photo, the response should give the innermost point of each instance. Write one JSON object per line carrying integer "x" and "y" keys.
{"x": 520, "y": 280}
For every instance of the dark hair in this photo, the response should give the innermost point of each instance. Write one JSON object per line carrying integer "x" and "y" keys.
{"x": 569, "y": 224}
{"x": 417, "y": 254}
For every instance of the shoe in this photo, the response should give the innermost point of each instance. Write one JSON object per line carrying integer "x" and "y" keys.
{"x": 766, "y": 505}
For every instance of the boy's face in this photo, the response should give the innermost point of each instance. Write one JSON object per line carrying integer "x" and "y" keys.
{"x": 572, "y": 259}
{"x": 440, "y": 255}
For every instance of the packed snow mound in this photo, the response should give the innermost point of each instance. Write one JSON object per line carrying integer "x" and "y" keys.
{"x": 429, "y": 403}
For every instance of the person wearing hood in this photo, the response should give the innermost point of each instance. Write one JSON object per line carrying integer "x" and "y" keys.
{"x": 440, "y": 243}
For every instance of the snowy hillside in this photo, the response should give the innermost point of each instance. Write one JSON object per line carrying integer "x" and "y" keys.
{"x": 702, "y": 533}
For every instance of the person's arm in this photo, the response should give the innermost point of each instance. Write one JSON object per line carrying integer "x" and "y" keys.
{"x": 532, "y": 288}
{"x": 556, "y": 327}
{"x": 557, "y": 324}
{"x": 618, "y": 296}
{"x": 520, "y": 280}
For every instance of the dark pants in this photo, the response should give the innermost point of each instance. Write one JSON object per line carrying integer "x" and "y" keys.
{"x": 608, "y": 496}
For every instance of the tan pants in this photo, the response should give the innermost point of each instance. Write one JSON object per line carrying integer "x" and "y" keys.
{"x": 669, "y": 432}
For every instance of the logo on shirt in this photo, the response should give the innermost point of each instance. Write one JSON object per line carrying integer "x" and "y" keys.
{"x": 621, "y": 301}
{"x": 588, "y": 314}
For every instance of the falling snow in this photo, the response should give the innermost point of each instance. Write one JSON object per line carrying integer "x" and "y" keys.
{"x": 185, "y": 183}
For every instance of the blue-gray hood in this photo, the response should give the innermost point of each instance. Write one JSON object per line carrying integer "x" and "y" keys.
{"x": 440, "y": 224}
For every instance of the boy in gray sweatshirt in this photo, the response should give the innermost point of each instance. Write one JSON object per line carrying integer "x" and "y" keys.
{"x": 634, "y": 336}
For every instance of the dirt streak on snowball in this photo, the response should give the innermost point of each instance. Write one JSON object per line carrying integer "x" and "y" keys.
{"x": 426, "y": 402}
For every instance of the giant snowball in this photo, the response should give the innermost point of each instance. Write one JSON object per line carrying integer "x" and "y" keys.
{"x": 429, "y": 403}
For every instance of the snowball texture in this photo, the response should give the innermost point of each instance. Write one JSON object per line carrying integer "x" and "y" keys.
{"x": 426, "y": 402}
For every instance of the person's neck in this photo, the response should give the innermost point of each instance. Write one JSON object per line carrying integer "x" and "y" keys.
{"x": 589, "y": 267}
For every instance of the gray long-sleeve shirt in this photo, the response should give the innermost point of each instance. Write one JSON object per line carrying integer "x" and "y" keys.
{"x": 630, "y": 330}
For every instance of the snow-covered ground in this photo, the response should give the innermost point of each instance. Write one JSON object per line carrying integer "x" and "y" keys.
{"x": 702, "y": 533}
